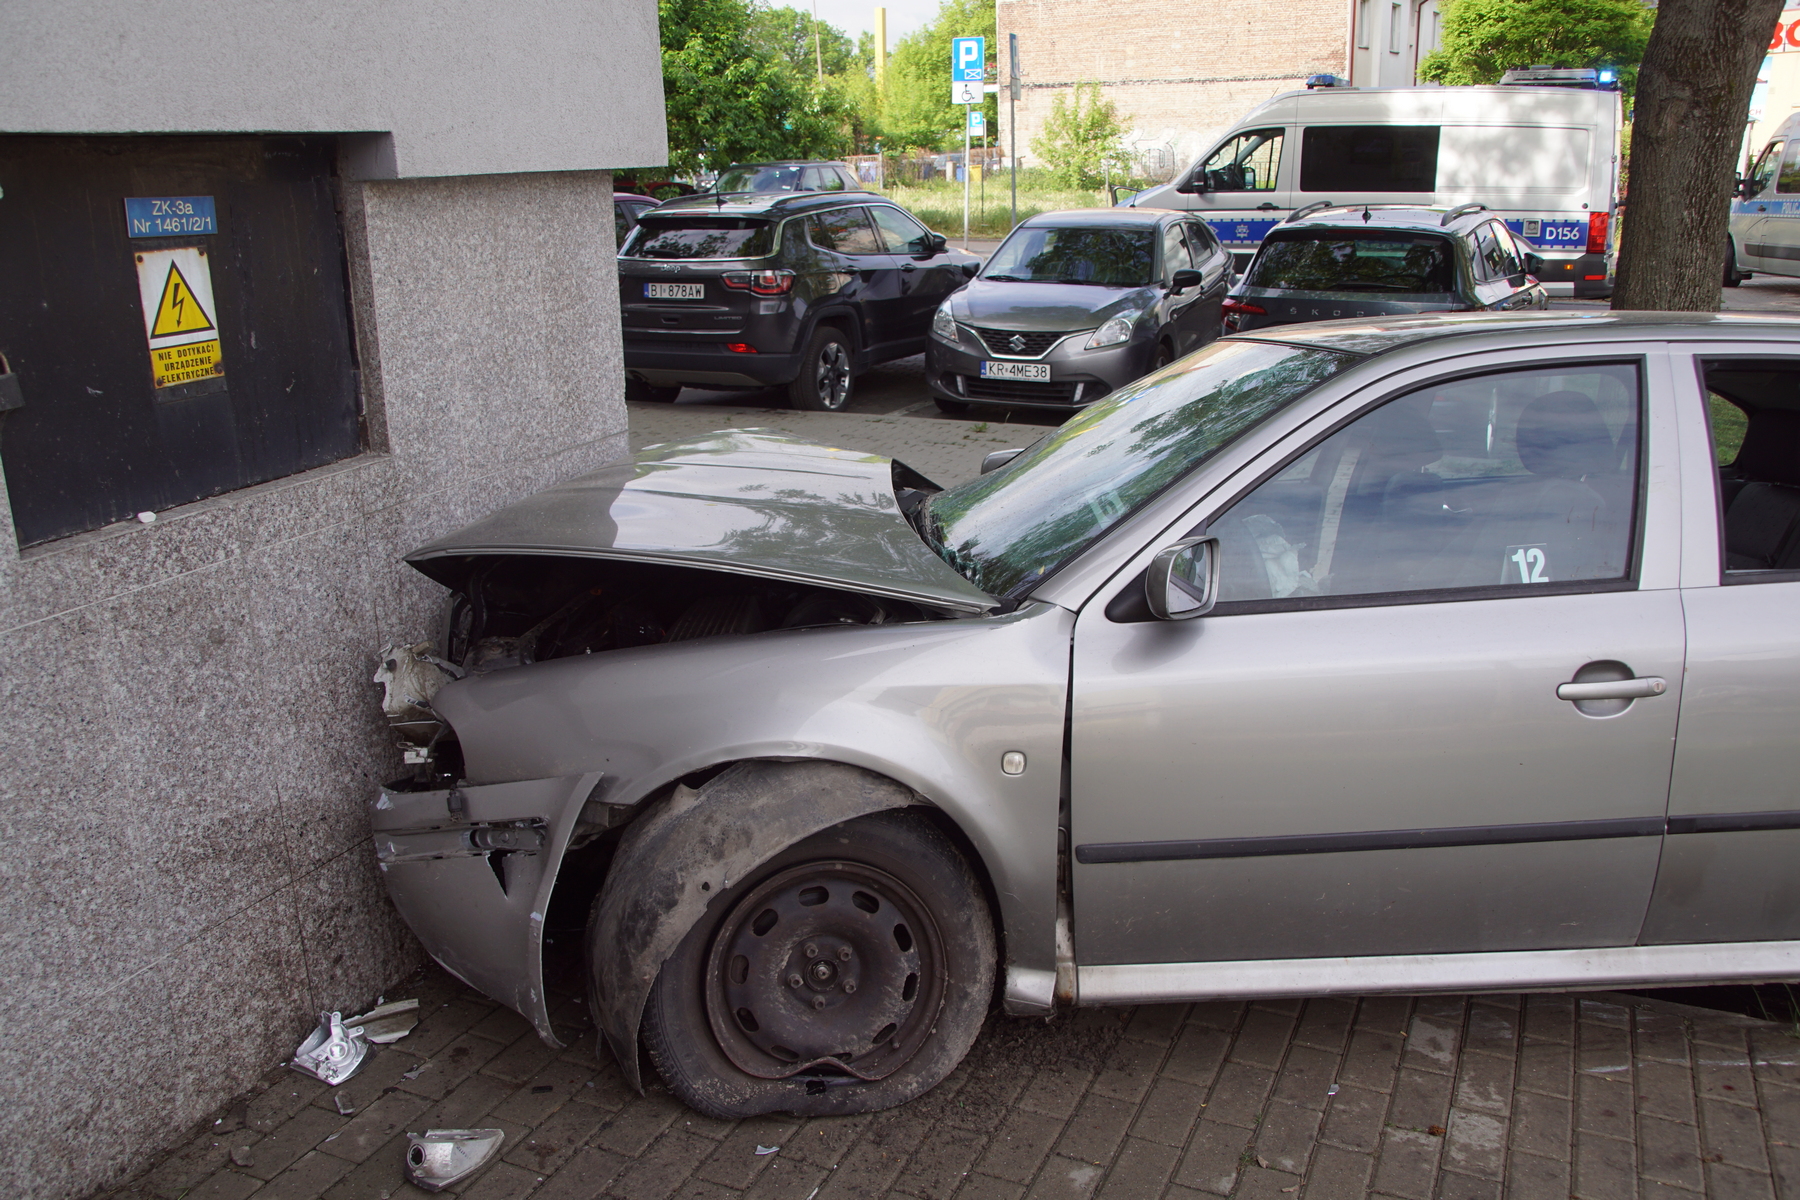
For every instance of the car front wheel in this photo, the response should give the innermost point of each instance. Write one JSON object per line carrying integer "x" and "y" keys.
{"x": 1733, "y": 276}
{"x": 850, "y": 973}
{"x": 825, "y": 373}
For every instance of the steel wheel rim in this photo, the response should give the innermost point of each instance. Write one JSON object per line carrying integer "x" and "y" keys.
{"x": 832, "y": 378}
{"x": 776, "y": 975}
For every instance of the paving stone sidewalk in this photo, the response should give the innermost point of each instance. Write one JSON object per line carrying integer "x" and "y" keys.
{"x": 1539, "y": 1096}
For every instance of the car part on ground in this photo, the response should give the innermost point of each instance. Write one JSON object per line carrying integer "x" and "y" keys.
{"x": 387, "y": 1023}
{"x": 333, "y": 1052}
{"x": 1074, "y": 305}
{"x": 439, "y": 1159}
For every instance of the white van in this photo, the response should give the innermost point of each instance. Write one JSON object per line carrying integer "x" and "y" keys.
{"x": 1543, "y": 159}
{"x": 1765, "y": 215}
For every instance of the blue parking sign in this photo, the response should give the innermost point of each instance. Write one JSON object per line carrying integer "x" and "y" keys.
{"x": 968, "y": 59}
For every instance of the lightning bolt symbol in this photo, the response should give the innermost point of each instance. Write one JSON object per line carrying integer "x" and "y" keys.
{"x": 179, "y": 299}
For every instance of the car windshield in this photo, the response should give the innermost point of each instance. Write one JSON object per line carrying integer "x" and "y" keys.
{"x": 1013, "y": 526}
{"x": 699, "y": 237}
{"x": 1104, "y": 257}
{"x": 759, "y": 179}
{"x": 1355, "y": 260}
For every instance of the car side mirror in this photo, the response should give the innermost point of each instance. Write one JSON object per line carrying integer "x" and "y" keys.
{"x": 995, "y": 459}
{"x": 1742, "y": 190}
{"x": 1192, "y": 185}
{"x": 1186, "y": 278}
{"x": 1183, "y": 580}
{"x": 935, "y": 243}
{"x": 1534, "y": 264}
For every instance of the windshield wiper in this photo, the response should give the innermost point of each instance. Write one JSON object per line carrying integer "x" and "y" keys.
{"x": 1374, "y": 287}
{"x": 1010, "y": 278}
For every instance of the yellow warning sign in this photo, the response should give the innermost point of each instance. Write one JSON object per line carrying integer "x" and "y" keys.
{"x": 180, "y": 322}
{"x": 186, "y": 364}
{"x": 178, "y": 311}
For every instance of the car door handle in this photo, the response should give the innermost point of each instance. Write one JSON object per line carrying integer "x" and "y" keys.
{"x": 909, "y": 266}
{"x": 1613, "y": 689}
{"x": 1265, "y": 206}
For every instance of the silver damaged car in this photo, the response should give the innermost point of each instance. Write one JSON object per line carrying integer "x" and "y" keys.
{"x": 1336, "y": 658}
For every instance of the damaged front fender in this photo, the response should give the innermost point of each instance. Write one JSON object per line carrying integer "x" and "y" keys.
{"x": 688, "y": 852}
{"x": 471, "y": 870}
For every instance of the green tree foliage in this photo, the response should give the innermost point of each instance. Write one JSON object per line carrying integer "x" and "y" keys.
{"x": 915, "y": 105}
{"x": 732, "y": 97}
{"x": 789, "y": 33}
{"x": 1483, "y": 38}
{"x": 1082, "y": 139}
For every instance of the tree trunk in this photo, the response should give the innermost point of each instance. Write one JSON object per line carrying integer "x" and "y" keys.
{"x": 1693, "y": 100}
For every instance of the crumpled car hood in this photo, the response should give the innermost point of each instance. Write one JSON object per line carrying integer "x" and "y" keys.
{"x": 745, "y": 501}
{"x": 1046, "y": 307}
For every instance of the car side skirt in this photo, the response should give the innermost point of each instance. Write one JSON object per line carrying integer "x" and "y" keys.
{"x": 1502, "y": 971}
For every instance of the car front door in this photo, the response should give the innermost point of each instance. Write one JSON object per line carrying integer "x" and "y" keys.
{"x": 1728, "y": 869}
{"x": 1750, "y": 214}
{"x": 1362, "y": 749}
{"x": 1240, "y": 191}
{"x": 928, "y": 273}
{"x": 870, "y": 276}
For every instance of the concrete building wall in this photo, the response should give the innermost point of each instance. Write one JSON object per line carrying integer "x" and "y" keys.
{"x": 1179, "y": 73}
{"x": 463, "y": 87}
{"x": 190, "y": 731}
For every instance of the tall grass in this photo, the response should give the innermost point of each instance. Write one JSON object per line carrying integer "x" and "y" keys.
{"x": 939, "y": 203}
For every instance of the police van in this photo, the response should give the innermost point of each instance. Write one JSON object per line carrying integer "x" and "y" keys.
{"x": 1765, "y": 216}
{"x": 1540, "y": 150}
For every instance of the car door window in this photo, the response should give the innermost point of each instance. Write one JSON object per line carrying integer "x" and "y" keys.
{"x": 901, "y": 233}
{"x": 1787, "y": 179}
{"x": 845, "y": 230}
{"x": 621, "y": 224}
{"x": 1247, "y": 163}
{"x": 1756, "y": 442}
{"x": 1505, "y": 481}
{"x": 1764, "y": 170}
{"x": 1201, "y": 242}
{"x": 1505, "y": 260}
{"x": 1174, "y": 251}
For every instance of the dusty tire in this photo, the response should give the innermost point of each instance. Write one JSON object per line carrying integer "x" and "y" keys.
{"x": 647, "y": 393}
{"x": 896, "y": 985}
{"x": 1733, "y": 276}
{"x": 827, "y": 375}
{"x": 1164, "y": 356}
{"x": 951, "y": 408}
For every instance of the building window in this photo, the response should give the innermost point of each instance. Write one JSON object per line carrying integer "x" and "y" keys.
{"x": 1362, "y": 24}
{"x": 1395, "y": 19}
{"x": 178, "y": 321}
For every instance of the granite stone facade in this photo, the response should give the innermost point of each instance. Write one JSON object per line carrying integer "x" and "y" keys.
{"x": 189, "y": 728}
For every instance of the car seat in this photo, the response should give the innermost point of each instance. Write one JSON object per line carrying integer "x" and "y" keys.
{"x": 1762, "y": 523}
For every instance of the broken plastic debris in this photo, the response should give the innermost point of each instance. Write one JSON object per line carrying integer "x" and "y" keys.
{"x": 441, "y": 1158}
{"x": 389, "y": 1022}
{"x": 767, "y": 1149}
{"x": 1332, "y": 1090}
{"x": 331, "y": 1052}
{"x": 148, "y": 518}
{"x": 415, "y": 1072}
{"x": 344, "y": 1107}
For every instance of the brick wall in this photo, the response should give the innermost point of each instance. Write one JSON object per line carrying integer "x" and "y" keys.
{"x": 1179, "y": 72}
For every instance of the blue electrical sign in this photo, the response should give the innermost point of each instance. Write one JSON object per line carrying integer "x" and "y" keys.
{"x": 170, "y": 216}
{"x": 968, "y": 59}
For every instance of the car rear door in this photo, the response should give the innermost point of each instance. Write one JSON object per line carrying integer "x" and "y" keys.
{"x": 870, "y": 276}
{"x": 1362, "y": 750}
{"x": 1729, "y": 862}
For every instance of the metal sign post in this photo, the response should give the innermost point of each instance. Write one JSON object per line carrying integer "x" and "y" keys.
{"x": 1012, "y": 118}
{"x": 968, "y": 67}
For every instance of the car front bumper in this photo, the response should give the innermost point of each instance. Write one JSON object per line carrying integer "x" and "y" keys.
{"x": 1077, "y": 377}
{"x": 470, "y": 870}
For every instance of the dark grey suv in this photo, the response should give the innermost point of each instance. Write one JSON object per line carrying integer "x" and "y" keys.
{"x": 795, "y": 290}
{"x": 1337, "y": 262}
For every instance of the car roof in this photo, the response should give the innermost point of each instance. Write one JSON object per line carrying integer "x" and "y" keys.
{"x": 635, "y": 196}
{"x": 754, "y": 204}
{"x": 1420, "y": 217}
{"x": 790, "y": 162}
{"x": 1380, "y": 335}
{"x": 1103, "y": 218}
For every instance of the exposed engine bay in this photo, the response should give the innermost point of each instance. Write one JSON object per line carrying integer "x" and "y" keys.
{"x": 512, "y": 610}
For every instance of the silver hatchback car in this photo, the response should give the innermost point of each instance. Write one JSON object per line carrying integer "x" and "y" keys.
{"x": 1338, "y": 658}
